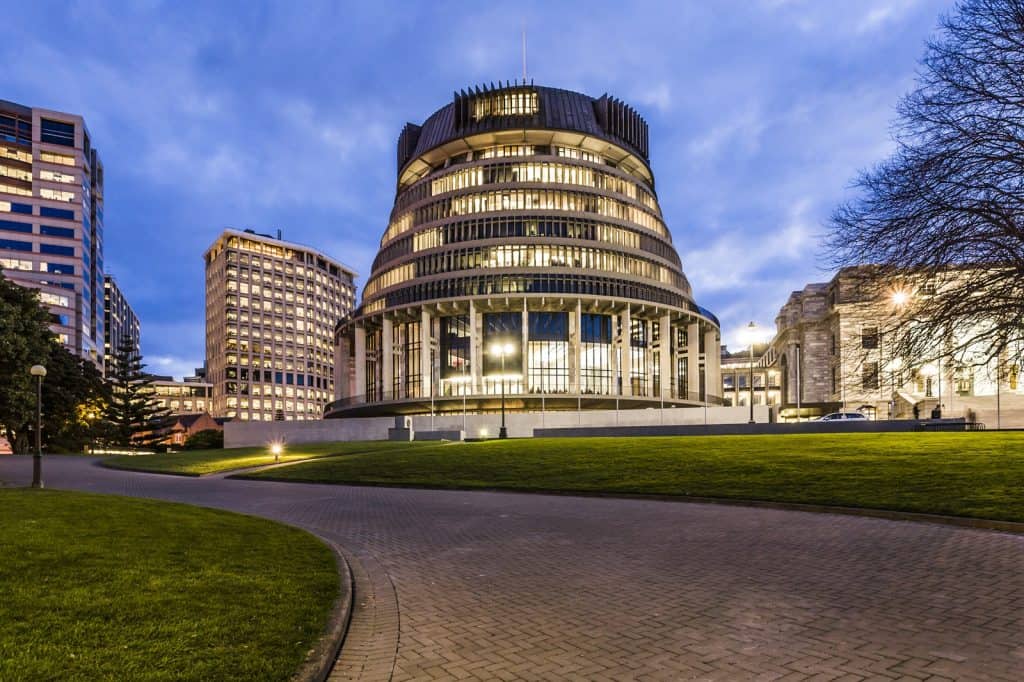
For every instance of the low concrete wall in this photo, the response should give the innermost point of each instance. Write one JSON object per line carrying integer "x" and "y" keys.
{"x": 241, "y": 434}
{"x": 520, "y": 424}
{"x": 898, "y": 425}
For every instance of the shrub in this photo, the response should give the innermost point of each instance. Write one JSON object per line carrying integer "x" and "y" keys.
{"x": 208, "y": 439}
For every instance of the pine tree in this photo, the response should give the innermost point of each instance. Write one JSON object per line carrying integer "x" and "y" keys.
{"x": 135, "y": 417}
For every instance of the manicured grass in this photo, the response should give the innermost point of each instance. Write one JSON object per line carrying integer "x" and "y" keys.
{"x": 199, "y": 462}
{"x": 963, "y": 474}
{"x": 95, "y": 587}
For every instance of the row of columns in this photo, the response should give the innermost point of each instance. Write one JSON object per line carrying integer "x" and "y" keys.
{"x": 621, "y": 361}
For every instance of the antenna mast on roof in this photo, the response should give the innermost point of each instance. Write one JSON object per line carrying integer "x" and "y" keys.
{"x": 524, "y": 52}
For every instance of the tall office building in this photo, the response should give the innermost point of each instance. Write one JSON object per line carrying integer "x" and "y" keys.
{"x": 526, "y": 254}
{"x": 271, "y": 311}
{"x": 51, "y": 220}
{"x": 120, "y": 323}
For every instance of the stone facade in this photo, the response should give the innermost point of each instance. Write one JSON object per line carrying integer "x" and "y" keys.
{"x": 833, "y": 348}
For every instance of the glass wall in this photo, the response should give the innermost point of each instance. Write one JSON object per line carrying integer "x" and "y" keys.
{"x": 548, "y": 353}
{"x": 596, "y": 354}
{"x": 501, "y": 329}
{"x": 456, "y": 372}
{"x": 638, "y": 343}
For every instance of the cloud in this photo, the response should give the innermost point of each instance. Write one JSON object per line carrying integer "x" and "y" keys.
{"x": 172, "y": 366}
{"x": 266, "y": 116}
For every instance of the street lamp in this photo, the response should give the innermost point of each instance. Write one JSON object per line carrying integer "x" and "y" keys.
{"x": 751, "y": 337}
{"x": 38, "y": 371}
{"x": 275, "y": 449}
{"x": 502, "y": 350}
{"x": 899, "y": 298}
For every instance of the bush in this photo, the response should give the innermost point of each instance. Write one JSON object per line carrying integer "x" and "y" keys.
{"x": 208, "y": 439}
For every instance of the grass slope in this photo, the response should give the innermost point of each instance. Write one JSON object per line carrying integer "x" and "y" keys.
{"x": 199, "y": 462}
{"x": 963, "y": 474}
{"x": 94, "y": 587}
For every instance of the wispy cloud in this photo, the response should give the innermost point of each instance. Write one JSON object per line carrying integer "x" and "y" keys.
{"x": 266, "y": 116}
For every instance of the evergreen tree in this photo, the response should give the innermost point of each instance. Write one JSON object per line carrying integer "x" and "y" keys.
{"x": 134, "y": 415}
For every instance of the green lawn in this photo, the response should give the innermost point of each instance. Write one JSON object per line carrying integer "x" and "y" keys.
{"x": 963, "y": 474}
{"x": 95, "y": 587}
{"x": 199, "y": 462}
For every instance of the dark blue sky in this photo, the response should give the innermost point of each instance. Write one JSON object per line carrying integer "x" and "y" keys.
{"x": 284, "y": 115}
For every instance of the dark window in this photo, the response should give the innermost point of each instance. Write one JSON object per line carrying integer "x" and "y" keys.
{"x": 57, "y": 250}
{"x": 21, "y": 208}
{"x": 278, "y": 377}
{"x": 869, "y": 376}
{"x": 503, "y": 328}
{"x": 15, "y": 226}
{"x": 57, "y": 132}
{"x": 289, "y": 378}
{"x": 15, "y": 245}
{"x": 56, "y": 231}
{"x": 15, "y": 129}
{"x": 595, "y": 328}
{"x": 869, "y": 337}
{"x": 48, "y": 212}
{"x": 454, "y": 346}
{"x": 549, "y": 326}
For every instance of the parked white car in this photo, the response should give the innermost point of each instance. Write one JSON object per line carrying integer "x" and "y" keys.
{"x": 843, "y": 417}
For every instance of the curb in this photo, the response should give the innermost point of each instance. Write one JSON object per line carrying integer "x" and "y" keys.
{"x": 321, "y": 658}
{"x": 1014, "y": 527}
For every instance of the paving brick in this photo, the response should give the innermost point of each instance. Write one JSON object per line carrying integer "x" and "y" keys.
{"x": 486, "y": 586}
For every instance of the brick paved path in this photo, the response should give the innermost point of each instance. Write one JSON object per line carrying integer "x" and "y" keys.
{"x": 478, "y": 585}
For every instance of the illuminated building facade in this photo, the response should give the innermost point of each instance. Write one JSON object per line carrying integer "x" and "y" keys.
{"x": 190, "y": 396}
{"x": 271, "y": 310}
{"x": 120, "y": 323}
{"x": 51, "y": 220}
{"x": 526, "y": 218}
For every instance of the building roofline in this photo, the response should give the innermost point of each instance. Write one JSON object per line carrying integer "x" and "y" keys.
{"x": 280, "y": 242}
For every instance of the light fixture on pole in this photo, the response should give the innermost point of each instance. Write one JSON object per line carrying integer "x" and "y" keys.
{"x": 751, "y": 338}
{"x": 38, "y": 371}
{"x": 502, "y": 350}
{"x": 899, "y": 298}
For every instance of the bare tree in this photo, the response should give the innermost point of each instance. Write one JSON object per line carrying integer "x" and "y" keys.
{"x": 943, "y": 218}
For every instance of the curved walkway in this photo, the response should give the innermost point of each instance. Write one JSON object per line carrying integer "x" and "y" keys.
{"x": 484, "y": 585}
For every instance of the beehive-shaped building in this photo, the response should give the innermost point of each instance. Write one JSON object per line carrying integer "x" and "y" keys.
{"x": 526, "y": 251}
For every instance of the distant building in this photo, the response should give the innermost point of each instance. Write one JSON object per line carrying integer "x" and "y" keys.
{"x": 183, "y": 397}
{"x": 271, "y": 310}
{"x": 51, "y": 220}
{"x": 736, "y": 378}
{"x": 120, "y": 323}
{"x": 832, "y": 350}
{"x": 179, "y": 427}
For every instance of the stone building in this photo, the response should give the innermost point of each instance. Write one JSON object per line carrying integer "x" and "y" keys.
{"x": 833, "y": 351}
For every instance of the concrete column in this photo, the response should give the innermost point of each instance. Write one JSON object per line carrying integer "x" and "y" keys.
{"x": 475, "y": 357}
{"x": 426, "y": 367}
{"x": 712, "y": 364}
{"x": 627, "y": 360}
{"x": 692, "y": 360}
{"x": 665, "y": 356}
{"x": 360, "y": 342}
{"x": 343, "y": 368}
{"x": 387, "y": 360}
{"x": 575, "y": 339}
{"x": 523, "y": 357}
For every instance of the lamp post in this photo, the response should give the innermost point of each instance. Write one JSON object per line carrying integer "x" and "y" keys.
{"x": 38, "y": 371}
{"x": 502, "y": 350}
{"x": 900, "y": 298}
{"x": 752, "y": 336}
